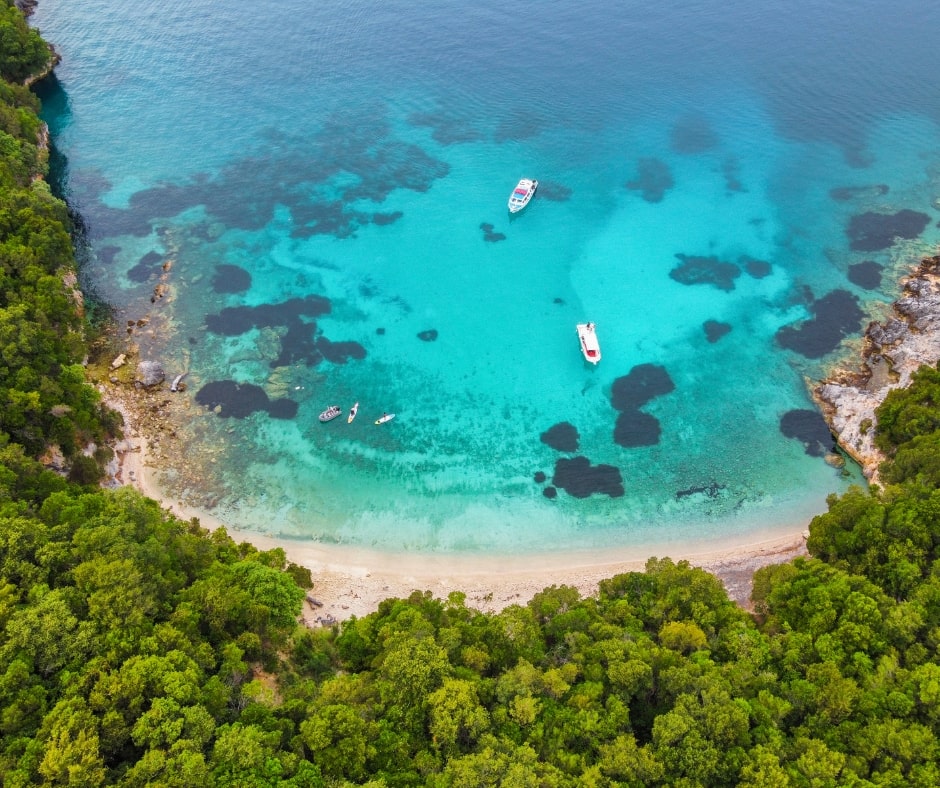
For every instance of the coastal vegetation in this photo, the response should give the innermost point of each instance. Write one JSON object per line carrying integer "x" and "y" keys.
{"x": 138, "y": 649}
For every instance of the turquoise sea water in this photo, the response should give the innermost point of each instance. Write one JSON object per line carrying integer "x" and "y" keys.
{"x": 721, "y": 187}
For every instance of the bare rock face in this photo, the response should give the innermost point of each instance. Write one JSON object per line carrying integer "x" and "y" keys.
{"x": 850, "y": 412}
{"x": 53, "y": 459}
{"x": 888, "y": 334}
{"x": 893, "y": 352}
{"x": 150, "y": 373}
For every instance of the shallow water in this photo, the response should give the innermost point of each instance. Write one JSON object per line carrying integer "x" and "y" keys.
{"x": 720, "y": 186}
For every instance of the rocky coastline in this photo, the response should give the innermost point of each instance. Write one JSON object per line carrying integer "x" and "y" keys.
{"x": 892, "y": 351}
{"x": 27, "y": 7}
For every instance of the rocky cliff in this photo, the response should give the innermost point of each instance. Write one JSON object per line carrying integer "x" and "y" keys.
{"x": 893, "y": 350}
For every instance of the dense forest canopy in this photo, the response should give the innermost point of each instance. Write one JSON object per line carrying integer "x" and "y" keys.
{"x": 137, "y": 649}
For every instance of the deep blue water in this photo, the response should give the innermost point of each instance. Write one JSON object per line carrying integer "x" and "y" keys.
{"x": 730, "y": 191}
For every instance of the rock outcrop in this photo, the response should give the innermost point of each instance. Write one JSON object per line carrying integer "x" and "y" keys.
{"x": 150, "y": 373}
{"x": 892, "y": 352}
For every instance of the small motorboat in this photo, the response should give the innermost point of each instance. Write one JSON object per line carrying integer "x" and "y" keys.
{"x": 331, "y": 413}
{"x": 521, "y": 195}
{"x": 590, "y": 347}
{"x": 385, "y": 417}
{"x": 352, "y": 413}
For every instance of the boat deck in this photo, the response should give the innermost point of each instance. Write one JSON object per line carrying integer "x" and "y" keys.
{"x": 590, "y": 347}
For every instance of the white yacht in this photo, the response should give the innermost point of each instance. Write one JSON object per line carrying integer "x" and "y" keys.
{"x": 521, "y": 195}
{"x": 590, "y": 347}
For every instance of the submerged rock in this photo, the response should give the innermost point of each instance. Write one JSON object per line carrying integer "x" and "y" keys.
{"x": 653, "y": 179}
{"x": 561, "y": 437}
{"x": 701, "y": 270}
{"x": 866, "y": 274}
{"x": 871, "y": 232}
{"x": 580, "y": 479}
{"x": 715, "y": 330}
{"x": 834, "y": 317}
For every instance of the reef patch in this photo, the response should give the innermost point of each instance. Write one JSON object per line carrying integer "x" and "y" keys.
{"x": 715, "y": 330}
{"x": 148, "y": 266}
{"x": 756, "y": 269}
{"x": 695, "y": 270}
{"x": 339, "y": 352}
{"x": 835, "y": 316}
{"x": 235, "y": 320}
{"x": 577, "y": 477}
{"x": 730, "y": 168}
{"x": 562, "y": 437}
{"x": 490, "y": 235}
{"x": 653, "y": 179}
{"x": 106, "y": 254}
{"x": 230, "y": 279}
{"x": 643, "y": 383}
{"x": 628, "y": 394}
{"x": 238, "y": 400}
{"x": 712, "y": 491}
{"x": 810, "y": 428}
{"x": 554, "y": 191}
{"x": 383, "y": 219}
{"x": 693, "y": 134}
{"x": 352, "y": 157}
{"x": 300, "y": 342}
{"x": 445, "y": 129}
{"x": 634, "y": 428}
{"x": 846, "y": 193}
{"x": 872, "y": 232}
{"x": 866, "y": 274}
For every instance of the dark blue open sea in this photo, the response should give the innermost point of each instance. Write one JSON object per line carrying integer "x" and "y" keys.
{"x": 729, "y": 190}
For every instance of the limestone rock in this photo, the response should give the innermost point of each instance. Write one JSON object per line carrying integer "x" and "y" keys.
{"x": 888, "y": 334}
{"x": 119, "y": 362}
{"x": 150, "y": 373}
{"x": 278, "y": 384}
{"x": 53, "y": 459}
{"x": 893, "y": 352}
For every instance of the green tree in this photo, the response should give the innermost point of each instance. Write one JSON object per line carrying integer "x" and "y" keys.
{"x": 910, "y": 411}
{"x": 457, "y": 718}
{"x": 70, "y": 740}
{"x": 339, "y": 742}
{"x": 22, "y": 52}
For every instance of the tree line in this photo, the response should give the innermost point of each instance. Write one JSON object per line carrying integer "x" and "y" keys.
{"x": 137, "y": 649}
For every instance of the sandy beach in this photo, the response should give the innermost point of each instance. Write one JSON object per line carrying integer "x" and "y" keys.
{"x": 351, "y": 581}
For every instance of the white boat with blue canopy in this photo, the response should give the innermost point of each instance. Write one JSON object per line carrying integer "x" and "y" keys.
{"x": 521, "y": 195}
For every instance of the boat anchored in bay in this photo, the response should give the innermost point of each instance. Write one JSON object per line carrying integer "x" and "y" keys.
{"x": 521, "y": 195}
{"x": 590, "y": 347}
{"x": 331, "y": 413}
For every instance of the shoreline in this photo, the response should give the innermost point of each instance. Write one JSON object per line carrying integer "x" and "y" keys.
{"x": 350, "y": 581}
{"x": 892, "y": 351}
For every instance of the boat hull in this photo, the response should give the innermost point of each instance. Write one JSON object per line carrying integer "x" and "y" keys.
{"x": 587, "y": 338}
{"x": 331, "y": 413}
{"x": 522, "y": 195}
